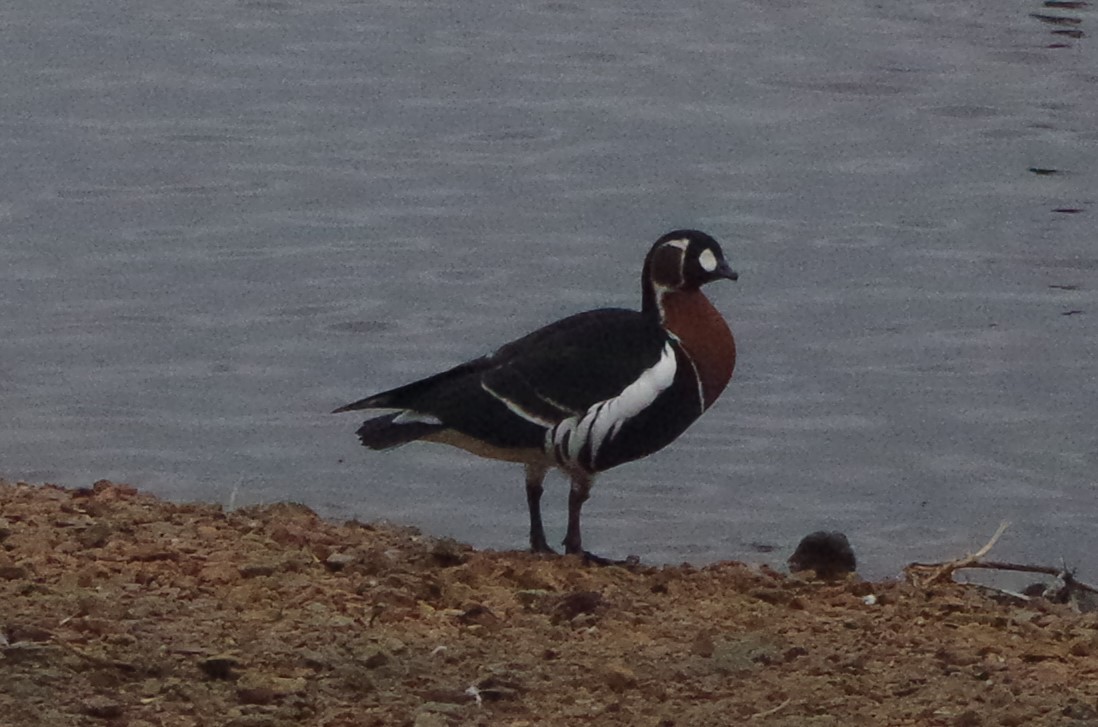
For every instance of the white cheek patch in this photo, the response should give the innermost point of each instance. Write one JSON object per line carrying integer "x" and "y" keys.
{"x": 708, "y": 261}
{"x": 603, "y": 421}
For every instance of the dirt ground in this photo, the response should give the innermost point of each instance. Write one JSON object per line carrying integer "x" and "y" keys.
{"x": 120, "y": 608}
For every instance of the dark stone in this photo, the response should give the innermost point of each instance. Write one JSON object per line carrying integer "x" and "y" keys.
{"x": 95, "y": 535}
{"x": 827, "y": 553}
{"x": 219, "y": 667}
{"x": 257, "y": 570}
{"x": 102, "y": 708}
{"x": 338, "y": 561}
{"x": 448, "y": 553}
{"x": 577, "y": 603}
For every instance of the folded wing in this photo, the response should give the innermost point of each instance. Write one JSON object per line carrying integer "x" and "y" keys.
{"x": 511, "y": 398}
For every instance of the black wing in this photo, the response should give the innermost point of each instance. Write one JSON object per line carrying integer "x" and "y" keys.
{"x": 573, "y": 364}
{"x": 511, "y": 397}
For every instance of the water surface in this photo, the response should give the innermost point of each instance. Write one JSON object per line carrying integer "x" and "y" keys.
{"x": 221, "y": 220}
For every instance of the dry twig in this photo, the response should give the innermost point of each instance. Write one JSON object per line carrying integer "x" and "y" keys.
{"x": 944, "y": 571}
{"x": 925, "y": 574}
{"x": 772, "y": 710}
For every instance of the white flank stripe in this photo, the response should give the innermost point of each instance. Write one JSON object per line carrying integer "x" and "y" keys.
{"x": 604, "y": 420}
{"x": 414, "y": 417}
{"x": 516, "y": 409}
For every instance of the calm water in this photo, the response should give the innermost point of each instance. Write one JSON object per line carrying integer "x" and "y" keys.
{"x": 219, "y": 220}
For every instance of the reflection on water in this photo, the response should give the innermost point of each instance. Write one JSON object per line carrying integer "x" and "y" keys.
{"x": 221, "y": 222}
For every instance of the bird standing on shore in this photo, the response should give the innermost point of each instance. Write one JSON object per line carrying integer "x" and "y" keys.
{"x": 584, "y": 394}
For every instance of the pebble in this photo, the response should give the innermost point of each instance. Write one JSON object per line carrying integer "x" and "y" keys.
{"x": 219, "y": 667}
{"x": 620, "y": 678}
{"x": 12, "y": 572}
{"x": 374, "y": 658}
{"x": 430, "y": 719}
{"x": 254, "y": 570}
{"x": 102, "y": 708}
{"x": 577, "y": 603}
{"x": 338, "y": 561}
{"x": 95, "y": 535}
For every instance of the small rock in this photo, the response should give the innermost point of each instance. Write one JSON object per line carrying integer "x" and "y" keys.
{"x": 18, "y": 633}
{"x": 574, "y": 604}
{"x": 255, "y": 570}
{"x": 968, "y": 718}
{"x": 314, "y": 659}
{"x": 702, "y": 645}
{"x": 861, "y": 589}
{"x": 113, "y": 490}
{"x": 289, "y": 534}
{"x": 1034, "y": 590}
{"x": 498, "y": 687}
{"x": 1084, "y": 646}
{"x": 956, "y": 657}
{"x": 95, "y": 535}
{"x": 287, "y": 686}
{"x": 255, "y": 695}
{"x": 620, "y": 678}
{"x": 586, "y": 621}
{"x": 102, "y": 708}
{"x": 1084, "y": 601}
{"x": 446, "y": 708}
{"x": 776, "y": 597}
{"x": 12, "y": 572}
{"x": 430, "y": 719}
{"x": 262, "y": 689}
{"x": 827, "y": 553}
{"x": 478, "y": 614}
{"x": 374, "y": 659}
{"x": 745, "y": 652}
{"x": 794, "y": 652}
{"x": 395, "y": 646}
{"x": 354, "y": 678}
{"x": 338, "y": 561}
{"x": 448, "y": 552}
{"x": 104, "y": 678}
{"x": 1078, "y": 711}
{"x": 533, "y": 599}
{"x": 152, "y": 553}
{"x": 219, "y": 667}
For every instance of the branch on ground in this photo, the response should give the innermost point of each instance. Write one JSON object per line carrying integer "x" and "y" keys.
{"x": 928, "y": 574}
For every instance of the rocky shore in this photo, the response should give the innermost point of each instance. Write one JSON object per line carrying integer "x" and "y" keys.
{"x": 120, "y": 608}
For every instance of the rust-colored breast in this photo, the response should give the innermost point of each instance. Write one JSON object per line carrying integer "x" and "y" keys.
{"x": 705, "y": 336}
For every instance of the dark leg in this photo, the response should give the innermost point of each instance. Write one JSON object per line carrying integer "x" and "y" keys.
{"x": 581, "y": 490}
{"x": 535, "y": 475}
{"x": 573, "y": 543}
